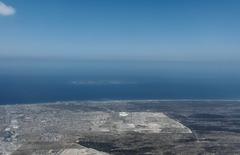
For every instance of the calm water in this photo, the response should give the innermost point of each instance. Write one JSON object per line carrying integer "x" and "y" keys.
{"x": 46, "y": 81}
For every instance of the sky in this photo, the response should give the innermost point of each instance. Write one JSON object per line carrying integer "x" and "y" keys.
{"x": 148, "y": 30}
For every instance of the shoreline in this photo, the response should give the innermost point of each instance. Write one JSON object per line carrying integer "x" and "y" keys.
{"x": 122, "y": 101}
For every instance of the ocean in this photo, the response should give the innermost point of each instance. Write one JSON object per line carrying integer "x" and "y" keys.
{"x": 37, "y": 81}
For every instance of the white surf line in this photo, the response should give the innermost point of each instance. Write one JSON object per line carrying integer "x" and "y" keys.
{"x": 155, "y": 100}
{"x": 142, "y": 100}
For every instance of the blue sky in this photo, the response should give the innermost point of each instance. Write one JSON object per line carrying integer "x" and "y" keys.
{"x": 162, "y": 30}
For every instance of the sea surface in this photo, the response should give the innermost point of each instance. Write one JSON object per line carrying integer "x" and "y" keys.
{"x": 35, "y": 81}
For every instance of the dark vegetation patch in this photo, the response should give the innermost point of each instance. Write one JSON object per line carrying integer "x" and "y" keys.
{"x": 101, "y": 146}
{"x": 112, "y": 148}
{"x": 209, "y": 128}
{"x": 186, "y": 140}
{"x": 208, "y": 116}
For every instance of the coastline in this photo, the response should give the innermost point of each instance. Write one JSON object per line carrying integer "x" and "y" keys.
{"x": 124, "y": 101}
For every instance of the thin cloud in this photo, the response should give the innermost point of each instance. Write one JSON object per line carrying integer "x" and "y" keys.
{"x": 6, "y": 10}
{"x": 112, "y": 82}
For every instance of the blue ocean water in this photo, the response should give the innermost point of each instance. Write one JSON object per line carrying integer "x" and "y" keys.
{"x": 49, "y": 81}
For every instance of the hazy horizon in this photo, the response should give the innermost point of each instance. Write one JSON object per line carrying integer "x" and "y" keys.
{"x": 121, "y": 30}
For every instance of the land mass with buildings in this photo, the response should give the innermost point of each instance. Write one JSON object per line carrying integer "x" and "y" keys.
{"x": 133, "y": 127}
